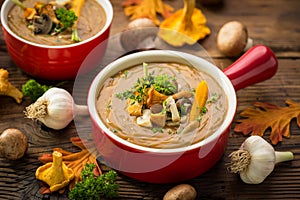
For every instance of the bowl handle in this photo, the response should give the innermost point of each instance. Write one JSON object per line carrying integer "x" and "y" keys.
{"x": 258, "y": 64}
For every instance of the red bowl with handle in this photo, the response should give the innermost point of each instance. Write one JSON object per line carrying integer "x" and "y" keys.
{"x": 55, "y": 62}
{"x": 178, "y": 164}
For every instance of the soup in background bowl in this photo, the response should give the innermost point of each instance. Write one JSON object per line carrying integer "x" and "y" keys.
{"x": 92, "y": 19}
{"x": 55, "y": 61}
{"x": 160, "y": 164}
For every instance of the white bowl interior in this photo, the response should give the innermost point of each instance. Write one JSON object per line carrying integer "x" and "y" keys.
{"x": 163, "y": 56}
{"x": 8, "y": 4}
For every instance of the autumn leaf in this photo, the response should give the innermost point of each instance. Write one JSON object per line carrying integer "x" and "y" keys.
{"x": 266, "y": 115}
{"x": 147, "y": 9}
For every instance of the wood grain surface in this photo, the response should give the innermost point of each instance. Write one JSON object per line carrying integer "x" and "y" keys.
{"x": 273, "y": 23}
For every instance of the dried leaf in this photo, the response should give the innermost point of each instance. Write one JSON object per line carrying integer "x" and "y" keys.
{"x": 147, "y": 9}
{"x": 75, "y": 161}
{"x": 265, "y": 115}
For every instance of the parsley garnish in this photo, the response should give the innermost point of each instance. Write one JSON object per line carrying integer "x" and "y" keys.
{"x": 165, "y": 84}
{"x": 162, "y": 83}
{"x": 157, "y": 130}
{"x": 202, "y": 112}
{"x": 66, "y": 17}
{"x": 94, "y": 188}
{"x": 214, "y": 98}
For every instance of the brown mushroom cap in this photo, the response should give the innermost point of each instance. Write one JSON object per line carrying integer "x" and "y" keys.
{"x": 13, "y": 144}
{"x": 136, "y": 32}
{"x": 232, "y": 38}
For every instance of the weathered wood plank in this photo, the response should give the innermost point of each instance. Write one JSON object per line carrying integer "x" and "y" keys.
{"x": 269, "y": 22}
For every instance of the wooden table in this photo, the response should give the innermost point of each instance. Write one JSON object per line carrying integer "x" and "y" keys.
{"x": 273, "y": 23}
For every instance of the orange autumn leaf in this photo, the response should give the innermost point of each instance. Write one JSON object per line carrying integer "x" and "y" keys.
{"x": 147, "y": 9}
{"x": 266, "y": 115}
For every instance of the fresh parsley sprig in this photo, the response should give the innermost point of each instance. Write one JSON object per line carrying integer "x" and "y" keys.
{"x": 66, "y": 17}
{"x": 162, "y": 83}
{"x": 95, "y": 188}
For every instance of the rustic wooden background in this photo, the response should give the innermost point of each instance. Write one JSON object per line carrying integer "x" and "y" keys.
{"x": 269, "y": 22}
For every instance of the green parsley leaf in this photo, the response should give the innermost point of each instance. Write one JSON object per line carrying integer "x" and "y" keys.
{"x": 66, "y": 17}
{"x": 92, "y": 188}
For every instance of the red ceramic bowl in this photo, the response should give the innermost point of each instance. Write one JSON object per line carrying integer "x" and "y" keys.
{"x": 179, "y": 164}
{"x": 54, "y": 62}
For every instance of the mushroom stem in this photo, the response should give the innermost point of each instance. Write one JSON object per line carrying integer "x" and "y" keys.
{"x": 249, "y": 44}
{"x": 188, "y": 9}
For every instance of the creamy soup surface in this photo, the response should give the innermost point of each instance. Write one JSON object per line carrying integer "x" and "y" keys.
{"x": 91, "y": 21}
{"x": 113, "y": 110}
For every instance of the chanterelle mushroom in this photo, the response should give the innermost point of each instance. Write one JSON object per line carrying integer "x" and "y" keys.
{"x": 185, "y": 26}
{"x": 7, "y": 89}
{"x": 56, "y": 174}
{"x": 233, "y": 38}
{"x": 154, "y": 97}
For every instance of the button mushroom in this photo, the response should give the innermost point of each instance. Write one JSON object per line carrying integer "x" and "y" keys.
{"x": 42, "y": 24}
{"x": 181, "y": 192}
{"x": 184, "y": 105}
{"x": 182, "y": 94}
{"x": 139, "y": 33}
{"x": 49, "y": 10}
{"x": 144, "y": 120}
{"x": 158, "y": 115}
{"x": 233, "y": 39}
{"x": 13, "y": 144}
{"x": 171, "y": 106}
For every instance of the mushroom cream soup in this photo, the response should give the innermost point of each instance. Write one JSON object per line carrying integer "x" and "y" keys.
{"x": 91, "y": 20}
{"x": 152, "y": 105}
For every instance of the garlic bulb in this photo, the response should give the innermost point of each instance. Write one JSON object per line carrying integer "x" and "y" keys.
{"x": 256, "y": 159}
{"x": 55, "y": 108}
